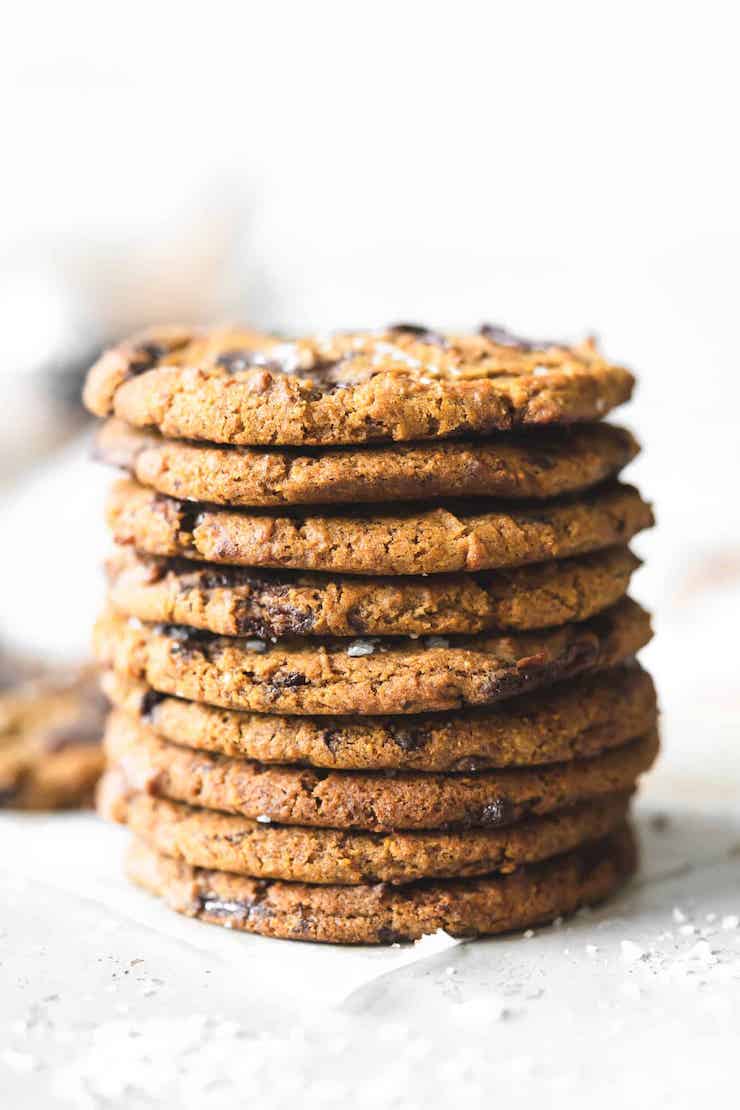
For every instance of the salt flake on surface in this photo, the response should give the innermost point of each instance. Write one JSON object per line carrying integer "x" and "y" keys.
{"x": 730, "y": 921}
{"x": 679, "y": 916}
{"x": 631, "y": 952}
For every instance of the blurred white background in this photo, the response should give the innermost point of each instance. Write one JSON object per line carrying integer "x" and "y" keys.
{"x": 557, "y": 168}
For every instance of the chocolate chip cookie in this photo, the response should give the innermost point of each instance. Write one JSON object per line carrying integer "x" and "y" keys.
{"x": 384, "y": 914}
{"x": 379, "y": 802}
{"x": 547, "y": 464}
{"x": 572, "y": 720}
{"x": 264, "y": 851}
{"x": 404, "y": 382}
{"x": 458, "y": 536}
{"x": 235, "y": 601}
{"x": 364, "y": 676}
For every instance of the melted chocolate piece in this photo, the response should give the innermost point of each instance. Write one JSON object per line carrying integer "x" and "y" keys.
{"x": 190, "y": 513}
{"x": 189, "y": 641}
{"x": 504, "y": 338}
{"x": 332, "y": 738}
{"x": 221, "y": 908}
{"x": 409, "y": 739}
{"x": 420, "y": 332}
{"x": 145, "y": 357}
{"x": 149, "y": 703}
{"x": 498, "y": 812}
{"x": 235, "y": 361}
{"x": 387, "y": 935}
{"x": 289, "y": 681}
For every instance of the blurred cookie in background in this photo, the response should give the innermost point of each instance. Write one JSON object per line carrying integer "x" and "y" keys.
{"x": 51, "y": 721}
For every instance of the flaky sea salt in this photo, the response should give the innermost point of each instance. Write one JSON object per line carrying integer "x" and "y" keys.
{"x": 631, "y": 952}
{"x": 360, "y": 647}
{"x": 256, "y": 645}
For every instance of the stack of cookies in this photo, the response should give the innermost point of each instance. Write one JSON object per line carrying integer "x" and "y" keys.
{"x": 368, "y": 642}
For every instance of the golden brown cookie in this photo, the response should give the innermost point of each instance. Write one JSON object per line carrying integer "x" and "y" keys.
{"x": 401, "y": 540}
{"x": 366, "y": 799}
{"x": 370, "y": 676}
{"x": 545, "y": 464}
{"x": 572, "y": 720}
{"x": 230, "y": 843}
{"x": 51, "y": 728}
{"x": 401, "y": 383}
{"x": 385, "y": 914}
{"x": 236, "y": 601}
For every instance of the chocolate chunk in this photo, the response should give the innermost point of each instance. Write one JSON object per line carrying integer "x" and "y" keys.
{"x": 289, "y": 680}
{"x": 498, "y": 812}
{"x": 237, "y": 360}
{"x": 420, "y": 332}
{"x": 332, "y": 738}
{"x": 189, "y": 640}
{"x": 149, "y": 703}
{"x": 218, "y": 907}
{"x": 190, "y": 514}
{"x": 504, "y": 338}
{"x": 387, "y": 935}
{"x": 145, "y": 357}
{"x": 409, "y": 739}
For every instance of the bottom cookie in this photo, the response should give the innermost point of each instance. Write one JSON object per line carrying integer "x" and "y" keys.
{"x": 381, "y": 914}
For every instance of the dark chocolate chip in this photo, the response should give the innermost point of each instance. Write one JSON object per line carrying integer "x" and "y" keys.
{"x": 289, "y": 680}
{"x": 219, "y": 907}
{"x": 332, "y": 738}
{"x": 149, "y": 703}
{"x": 420, "y": 332}
{"x": 234, "y": 361}
{"x": 145, "y": 357}
{"x": 189, "y": 641}
{"x": 409, "y": 739}
{"x": 190, "y": 514}
{"x": 498, "y": 812}
{"x": 387, "y": 935}
{"x": 504, "y": 338}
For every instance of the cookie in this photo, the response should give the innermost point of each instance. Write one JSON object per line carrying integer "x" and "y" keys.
{"x": 51, "y": 727}
{"x": 370, "y": 800}
{"x": 459, "y": 536}
{"x": 229, "y": 843}
{"x": 366, "y": 677}
{"x": 235, "y": 601}
{"x": 384, "y": 914}
{"x": 553, "y": 462}
{"x": 402, "y": 383}
{"x": 572, "y": 720}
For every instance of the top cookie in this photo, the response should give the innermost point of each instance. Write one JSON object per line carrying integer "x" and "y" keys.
{"x": 404, "y": 382}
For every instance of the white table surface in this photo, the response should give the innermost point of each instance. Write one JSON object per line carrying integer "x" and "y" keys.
{"x": 108, "y": 1000}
